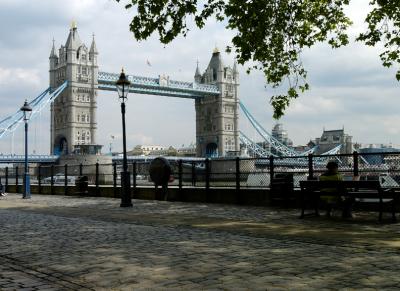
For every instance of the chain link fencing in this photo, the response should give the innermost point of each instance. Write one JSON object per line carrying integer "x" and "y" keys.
{"x": 219, "y": 173}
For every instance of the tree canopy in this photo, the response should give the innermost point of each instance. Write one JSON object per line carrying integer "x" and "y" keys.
{"x": 271, "y": 34}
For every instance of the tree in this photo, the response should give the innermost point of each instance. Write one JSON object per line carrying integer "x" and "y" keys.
{"x": 272, "y": 34}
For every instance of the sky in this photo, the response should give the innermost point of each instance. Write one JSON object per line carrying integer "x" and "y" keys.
{"x": 349, "y": 86}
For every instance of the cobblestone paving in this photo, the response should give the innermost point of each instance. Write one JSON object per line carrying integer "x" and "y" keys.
{"x": 67, "y": 243}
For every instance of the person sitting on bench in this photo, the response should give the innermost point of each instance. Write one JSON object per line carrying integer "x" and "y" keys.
{"x": 332, "y": 174}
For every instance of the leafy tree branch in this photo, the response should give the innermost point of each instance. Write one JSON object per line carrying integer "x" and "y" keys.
{"x": 272, "y": 34}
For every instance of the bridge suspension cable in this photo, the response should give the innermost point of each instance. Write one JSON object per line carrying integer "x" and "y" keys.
{"x": 255, "y": 148}
{"x": 12, "y": 122}
{"x": 276, "y": 144}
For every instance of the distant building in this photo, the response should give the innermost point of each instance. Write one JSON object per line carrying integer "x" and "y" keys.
{"x": 187, "y": 151}
{"x": 281, "y": 135}
{"x": 358, "y": 146}
{"x": 145, "y": 150}
{"x": 164, "y": 151}
{"x": 301, "y": 148}
{"x": 331, "y": 139}
{"x": 156, "y": 150}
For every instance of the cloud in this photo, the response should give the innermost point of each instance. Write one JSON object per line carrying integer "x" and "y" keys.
{"x": 13, "y": 77}
{"x": 349, "y": 86}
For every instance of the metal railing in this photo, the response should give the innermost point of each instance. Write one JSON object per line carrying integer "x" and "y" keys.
{"x": 236, "y": 173}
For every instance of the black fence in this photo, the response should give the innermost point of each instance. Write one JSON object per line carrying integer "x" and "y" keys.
{"x": 213, "y": 173}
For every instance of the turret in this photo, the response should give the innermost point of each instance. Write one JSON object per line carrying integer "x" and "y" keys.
{"x": 93, "y": 52}
{"x": 53, "y": 57}
{"x": 215, "y": 67}
{"x": 73, "y": 43}
{"x": 197, "y": 75}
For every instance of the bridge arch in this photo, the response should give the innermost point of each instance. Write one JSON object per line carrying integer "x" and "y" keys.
{"x": 60, "y": 145}
{"x": 212, "y": 150}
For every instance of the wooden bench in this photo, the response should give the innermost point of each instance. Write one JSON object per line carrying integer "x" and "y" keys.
{"x": 353, "y": 189}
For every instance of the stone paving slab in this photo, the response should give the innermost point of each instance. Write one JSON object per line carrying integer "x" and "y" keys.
{"x": 70, "y": 243}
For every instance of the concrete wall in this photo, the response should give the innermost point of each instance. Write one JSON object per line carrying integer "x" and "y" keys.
{"x": 259, "y": 197}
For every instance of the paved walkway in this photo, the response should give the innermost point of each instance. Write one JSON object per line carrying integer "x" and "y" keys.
{"x": 70, "y": 243}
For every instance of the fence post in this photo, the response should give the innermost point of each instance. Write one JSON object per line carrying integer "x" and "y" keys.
{"x": 40, "y": 179}
{"x": 6, "y": 180}
{"x": 237, "y": 178}
{"x": 310, "y": 167}
{"x": 207, "y": 178}
{"x": 115, "y": 179}
{"x": 16, "y": 179}
{"x": 52, "y": 180}
{"x": 271, "y": 170}
{"x": 97, "y": 179}
{"x": 180, "y": 172}
{"x": 66, "y": 179}
{"x": 134, "y": 173}
{"x": 193, "y": 174}
{"x": 80, "y": 169}
{"x": 355, "y": 163}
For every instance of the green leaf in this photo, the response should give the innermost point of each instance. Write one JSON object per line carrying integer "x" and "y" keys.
{"x": 273, "y": 34}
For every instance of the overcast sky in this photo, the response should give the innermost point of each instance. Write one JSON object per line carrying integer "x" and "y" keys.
{"x": 349, "y": 86}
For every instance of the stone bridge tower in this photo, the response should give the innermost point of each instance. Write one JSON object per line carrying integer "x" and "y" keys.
{"x": 73, "y": 113}
{"x": 217, "y": 118}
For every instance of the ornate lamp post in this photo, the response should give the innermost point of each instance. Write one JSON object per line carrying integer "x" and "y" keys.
{"x": 27, "y": 111}
{"x": 123, "y": 90}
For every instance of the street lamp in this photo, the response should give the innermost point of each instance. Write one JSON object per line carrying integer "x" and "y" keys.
{"x": 123, "y": 90}
{"x": 27, "y": 111}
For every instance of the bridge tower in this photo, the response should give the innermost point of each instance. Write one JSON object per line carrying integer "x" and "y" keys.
{"x": 217, "y": 117}
{"x": 73, "y": 113}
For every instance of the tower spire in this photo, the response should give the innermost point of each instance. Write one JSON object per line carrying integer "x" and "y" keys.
{"x": 197, "y": 75}
{"x": 73, "y": 41}
{"x": 53, "y": 50}
{"x": 93, "y": 47}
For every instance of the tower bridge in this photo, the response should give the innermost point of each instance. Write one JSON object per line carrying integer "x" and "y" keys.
{"x": 75, "y": 81}
{"x": 73, "y": 113}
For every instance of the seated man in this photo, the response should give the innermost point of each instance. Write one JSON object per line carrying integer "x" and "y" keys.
{"x": 332, "y": 175}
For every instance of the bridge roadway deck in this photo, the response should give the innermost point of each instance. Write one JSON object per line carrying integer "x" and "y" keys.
{"x": 69, "y": 243}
